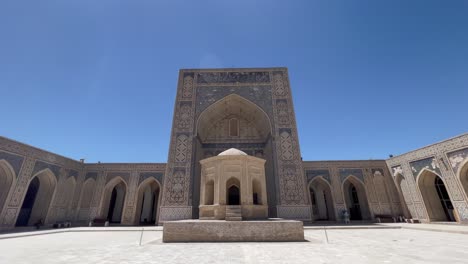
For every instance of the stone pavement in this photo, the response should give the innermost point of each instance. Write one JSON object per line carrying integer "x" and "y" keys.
{"x": 445, "y": 227}
{"x": 345, "y": 246}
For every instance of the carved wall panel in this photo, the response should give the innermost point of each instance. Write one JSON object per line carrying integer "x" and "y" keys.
{"x": 312, "y": 174}
{"x": 187, "y": 90}
{"x": 22, "y": 184}
{"x": 456, "y": 158}
{"x": 15, "y": 161}
{"x": 181, "y": 148}
{"x": 280, "y": 88}
{"x": 287, "y": 152}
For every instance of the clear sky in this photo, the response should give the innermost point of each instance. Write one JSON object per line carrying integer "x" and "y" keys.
{"x": 97, "y": 79}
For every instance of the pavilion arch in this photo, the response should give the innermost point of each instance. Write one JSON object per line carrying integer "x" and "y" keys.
{"x": 322, "y": 201}
{"x": 463, "y": 175}
{"x": 355, "y": 196}
{"x": 7, "y": 180}
{"x": 148, "y": 201}
{"x": 113, "y": 200}
{"x": 436, "y": 198}
{"x": 233, "y": 107}
{"x": 233, "y": 191}
{"x": 403, "y": 193}
{"x": 37, "y": 200}
{"x": 86, "y": 197}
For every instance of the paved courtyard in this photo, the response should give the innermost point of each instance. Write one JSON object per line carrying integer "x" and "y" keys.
{"x": 345, "y": 246}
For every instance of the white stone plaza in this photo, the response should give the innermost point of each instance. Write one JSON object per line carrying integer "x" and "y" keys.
{"x": 356, "y": 244}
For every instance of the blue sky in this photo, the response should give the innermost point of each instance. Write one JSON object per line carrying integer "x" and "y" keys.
{"x": 97, "y": 79}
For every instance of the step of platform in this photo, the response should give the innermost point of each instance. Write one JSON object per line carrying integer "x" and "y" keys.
{"x": 233, "y": 213}
{"x": 208, "y": 218}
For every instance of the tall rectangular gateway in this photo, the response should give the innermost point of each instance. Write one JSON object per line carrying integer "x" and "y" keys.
{"x": 247, "y": 109}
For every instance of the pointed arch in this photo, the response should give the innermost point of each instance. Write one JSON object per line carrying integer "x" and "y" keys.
{"x": 229, "y": 107}
{"x": 233, "y": 191}
{"x": 113, "y": 200}
{"x": 148, "y": 201}
{"x": 68, "y": 195}
{"x": 436, "y": 198}
{"x": 37, "y": 200}
{"x": 7, "y": 180}
{"x": 86, "y": 197}
{"x": 355, "y": 196}
{"x": 403, "y": 193}
{"x": 323, "y": 205}
{"x": 463, "y": 175}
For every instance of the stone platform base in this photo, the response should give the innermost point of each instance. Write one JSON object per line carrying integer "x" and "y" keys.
{"x": 227, "y": 231}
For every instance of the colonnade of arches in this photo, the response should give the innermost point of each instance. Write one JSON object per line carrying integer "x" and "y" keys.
{"x": 42, "y": 188}
{"x": 435, "y": 193}
{"x": 114, "y": 199}
{"x": 42, "y": 193}
{"x": 233, "y": 192}
{"x": 323, "y": 205}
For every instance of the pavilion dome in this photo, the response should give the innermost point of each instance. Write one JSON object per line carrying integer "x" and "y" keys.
{"x": 233, "y": 152}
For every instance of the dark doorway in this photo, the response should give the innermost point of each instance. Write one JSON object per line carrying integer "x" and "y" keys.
{"x": 444, "y": 199}
{"x": 313, "y": 201}
{"x": 154, "y": 205}
{"x": 112, "y": 205}
{"x": 355, "y": 209}
{"x": 326, "y": 206}
{"x": 233, "y": 195}
{"x": 255, "y": 199}
{"x": 28, "y": 203}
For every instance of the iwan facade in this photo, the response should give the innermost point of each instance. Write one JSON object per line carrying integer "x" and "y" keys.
{"x": 219, "y": 109}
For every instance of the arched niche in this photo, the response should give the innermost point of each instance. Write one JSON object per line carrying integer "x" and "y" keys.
{"x": 463, "y": 176}
{"x": 236, "y": 117}
{"x": 7, "y": 180}
{"x": 69, "y": 192}
{"x": 86, "y": 197}
{"x": 257, "y": 193}
{"x": 113, "y": 200}
{"x": 233, "y": 192}
{"x": 322, "y": 200}
{"x": 37, "y": 200}
{"x": 234, "y": 122}
{"x": 403, "y": 193}
{"x": 355, "y": 196}
{"x": 209, "y": 193}
{"x": 148, "y": 200}
{"x": 436, "y": 198}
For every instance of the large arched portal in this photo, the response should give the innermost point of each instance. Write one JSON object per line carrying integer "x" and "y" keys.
{"x": 148, "y": 202}
{"x": 322, "y": 200}
{"x": 7, "y": 178}
{"x": 356, "y": 199}
{"x": 436, "y": 198}
{"x": 234, "y": 122}
{"x": 114, "y": 200}
{"x": 38, "y": 197}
